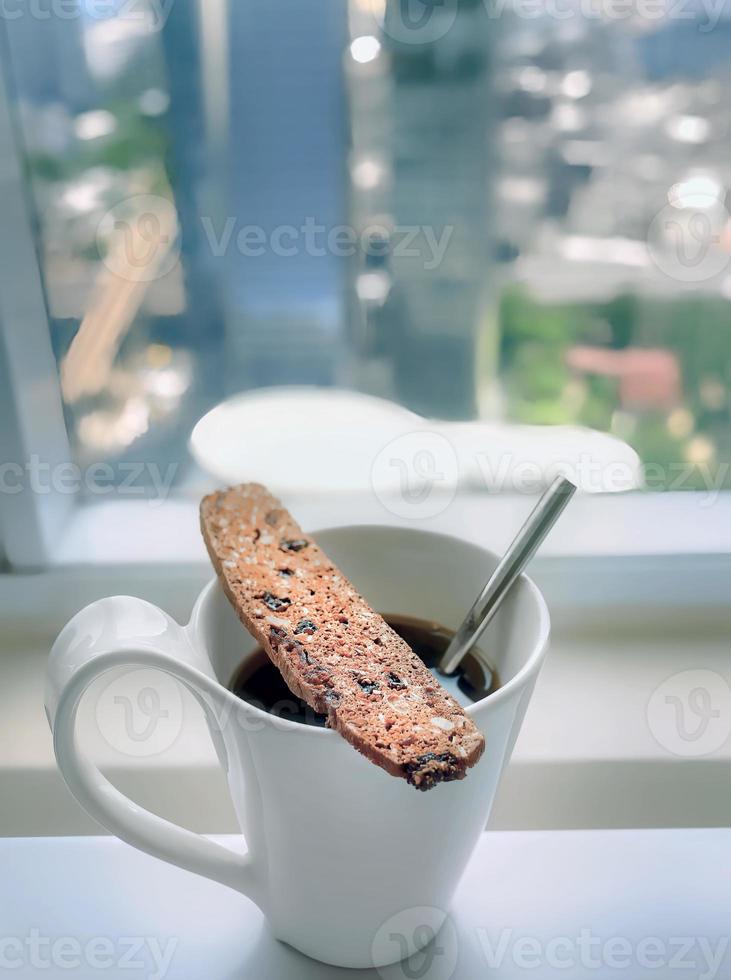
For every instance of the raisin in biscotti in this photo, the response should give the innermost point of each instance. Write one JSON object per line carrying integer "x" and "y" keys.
{"x": 332, "y": 649}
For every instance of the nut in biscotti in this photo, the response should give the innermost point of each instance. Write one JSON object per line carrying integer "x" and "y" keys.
{"x": 332, "y": 649}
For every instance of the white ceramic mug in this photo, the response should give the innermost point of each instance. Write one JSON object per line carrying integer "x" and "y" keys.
{"x": 335, "y": 845}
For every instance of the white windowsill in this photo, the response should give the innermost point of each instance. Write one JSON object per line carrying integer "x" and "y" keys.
{"x": 637, "y": 552}
{"x": 625, "y": 618}
{"x": 132, "y": 532}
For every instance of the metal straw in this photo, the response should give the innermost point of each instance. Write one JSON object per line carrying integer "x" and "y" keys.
{"x": 530, "y": 537}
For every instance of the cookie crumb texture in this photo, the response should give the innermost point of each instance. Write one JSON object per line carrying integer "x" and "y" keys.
{"x": 332, "y": 649}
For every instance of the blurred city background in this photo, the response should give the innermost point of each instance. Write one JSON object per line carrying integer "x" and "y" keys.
{"x": 536, "y": 193}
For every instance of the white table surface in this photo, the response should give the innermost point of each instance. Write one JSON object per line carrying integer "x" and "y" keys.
{"x": 569, "y": 904}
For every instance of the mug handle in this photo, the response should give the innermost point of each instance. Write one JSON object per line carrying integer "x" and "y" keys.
{"x": 123, "y": 631}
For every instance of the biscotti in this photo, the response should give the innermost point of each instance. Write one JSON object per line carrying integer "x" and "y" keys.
{"x": 332, "y": 649}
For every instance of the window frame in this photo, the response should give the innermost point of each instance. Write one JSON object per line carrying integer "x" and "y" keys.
{"x": 30, "y": 397}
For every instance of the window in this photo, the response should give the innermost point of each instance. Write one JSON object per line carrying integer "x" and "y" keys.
{"x": 591, "y": 280}
{"x": 478, "y": 211}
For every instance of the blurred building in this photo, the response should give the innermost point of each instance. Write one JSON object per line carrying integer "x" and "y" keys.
{"x": 285, "y": 169}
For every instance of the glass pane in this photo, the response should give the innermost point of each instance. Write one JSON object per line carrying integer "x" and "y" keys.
{"x": 613, "y": 229}
{"x": 99, "y": 131}
{"x": 486, "y": 210}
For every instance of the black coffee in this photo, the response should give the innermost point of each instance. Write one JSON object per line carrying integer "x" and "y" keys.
{"x": 258, "y": 681}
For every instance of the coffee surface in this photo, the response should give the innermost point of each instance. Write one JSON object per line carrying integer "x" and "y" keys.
{"x": 258, "y": 681}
